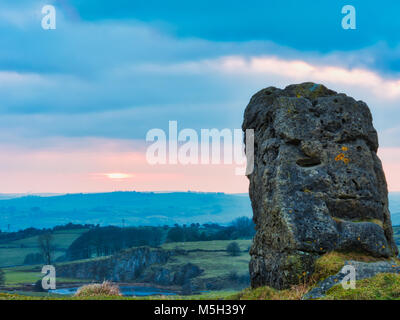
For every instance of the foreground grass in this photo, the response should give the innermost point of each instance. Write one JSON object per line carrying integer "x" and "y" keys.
{"x": 268, "y": 293}
{"x": 215, "y": 295}
{"x": 381, "y": 287}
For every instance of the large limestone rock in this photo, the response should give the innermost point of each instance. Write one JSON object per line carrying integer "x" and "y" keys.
{"x": 317, "y": 184}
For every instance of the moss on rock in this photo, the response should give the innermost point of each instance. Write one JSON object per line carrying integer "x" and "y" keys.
{"x": 384, "y": 286}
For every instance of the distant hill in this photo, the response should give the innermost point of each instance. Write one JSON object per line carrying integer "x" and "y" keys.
{"x": 6, "y": 196}
{"x": 394, "y": 206}
{"x": 135, "y": 208}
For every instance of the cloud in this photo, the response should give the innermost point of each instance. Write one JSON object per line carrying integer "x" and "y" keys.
{"x": 298, "y": 70}
{"x": 11, "y": 78}
{"x": 78, "y": 101}
{"x": 105, "y": 165}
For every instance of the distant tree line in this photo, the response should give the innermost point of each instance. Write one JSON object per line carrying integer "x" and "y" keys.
{"x": 102, "y": 241}
{"x": 31, "y": 232}
{"x": 34, "y": 258}
{"x": 241, "y": 228}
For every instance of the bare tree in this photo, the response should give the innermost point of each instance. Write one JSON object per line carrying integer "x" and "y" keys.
{"x": 46, "y": 247}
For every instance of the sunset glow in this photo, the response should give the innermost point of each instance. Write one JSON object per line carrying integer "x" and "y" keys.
{"x": 118, "y": 176}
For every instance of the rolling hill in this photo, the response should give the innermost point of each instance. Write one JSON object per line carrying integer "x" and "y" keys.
{"x": 115, "y": 208}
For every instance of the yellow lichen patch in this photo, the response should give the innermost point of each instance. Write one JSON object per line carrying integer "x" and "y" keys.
{"x": 345, "y": 148}
{"x": 342, "y": 157}
{"x": 339, "y": 157}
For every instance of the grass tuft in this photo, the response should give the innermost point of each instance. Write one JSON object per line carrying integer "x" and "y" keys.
{"x": 104, "y": 289}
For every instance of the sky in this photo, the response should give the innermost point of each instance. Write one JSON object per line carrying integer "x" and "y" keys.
{"x": 77, "y": 102}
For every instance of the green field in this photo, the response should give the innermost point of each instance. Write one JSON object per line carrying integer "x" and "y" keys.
{"x": 13, "y": 253}
{"x": 27, "y": 275}
{"x": 206, "y": 245}
{"x": 212, "y": 257}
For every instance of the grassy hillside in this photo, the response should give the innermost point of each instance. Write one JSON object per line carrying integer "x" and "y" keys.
{"x": 212, "y": 257}
{"x": 14, "y": 252}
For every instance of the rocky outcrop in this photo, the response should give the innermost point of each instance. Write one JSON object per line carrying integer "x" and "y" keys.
{"x": 141, "y": 264}
{"x": 362, "y": 270}
{"x": 125, "y": 266}
{"x": 317, "y": 184}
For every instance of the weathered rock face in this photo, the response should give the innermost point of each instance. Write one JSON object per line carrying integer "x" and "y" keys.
{"x": 124, "y": 266}
{"x": 317, "y": 183}
{"x": 142, "y": 264}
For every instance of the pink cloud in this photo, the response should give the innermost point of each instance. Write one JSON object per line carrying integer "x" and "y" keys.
{"x": 87, "y": 168}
